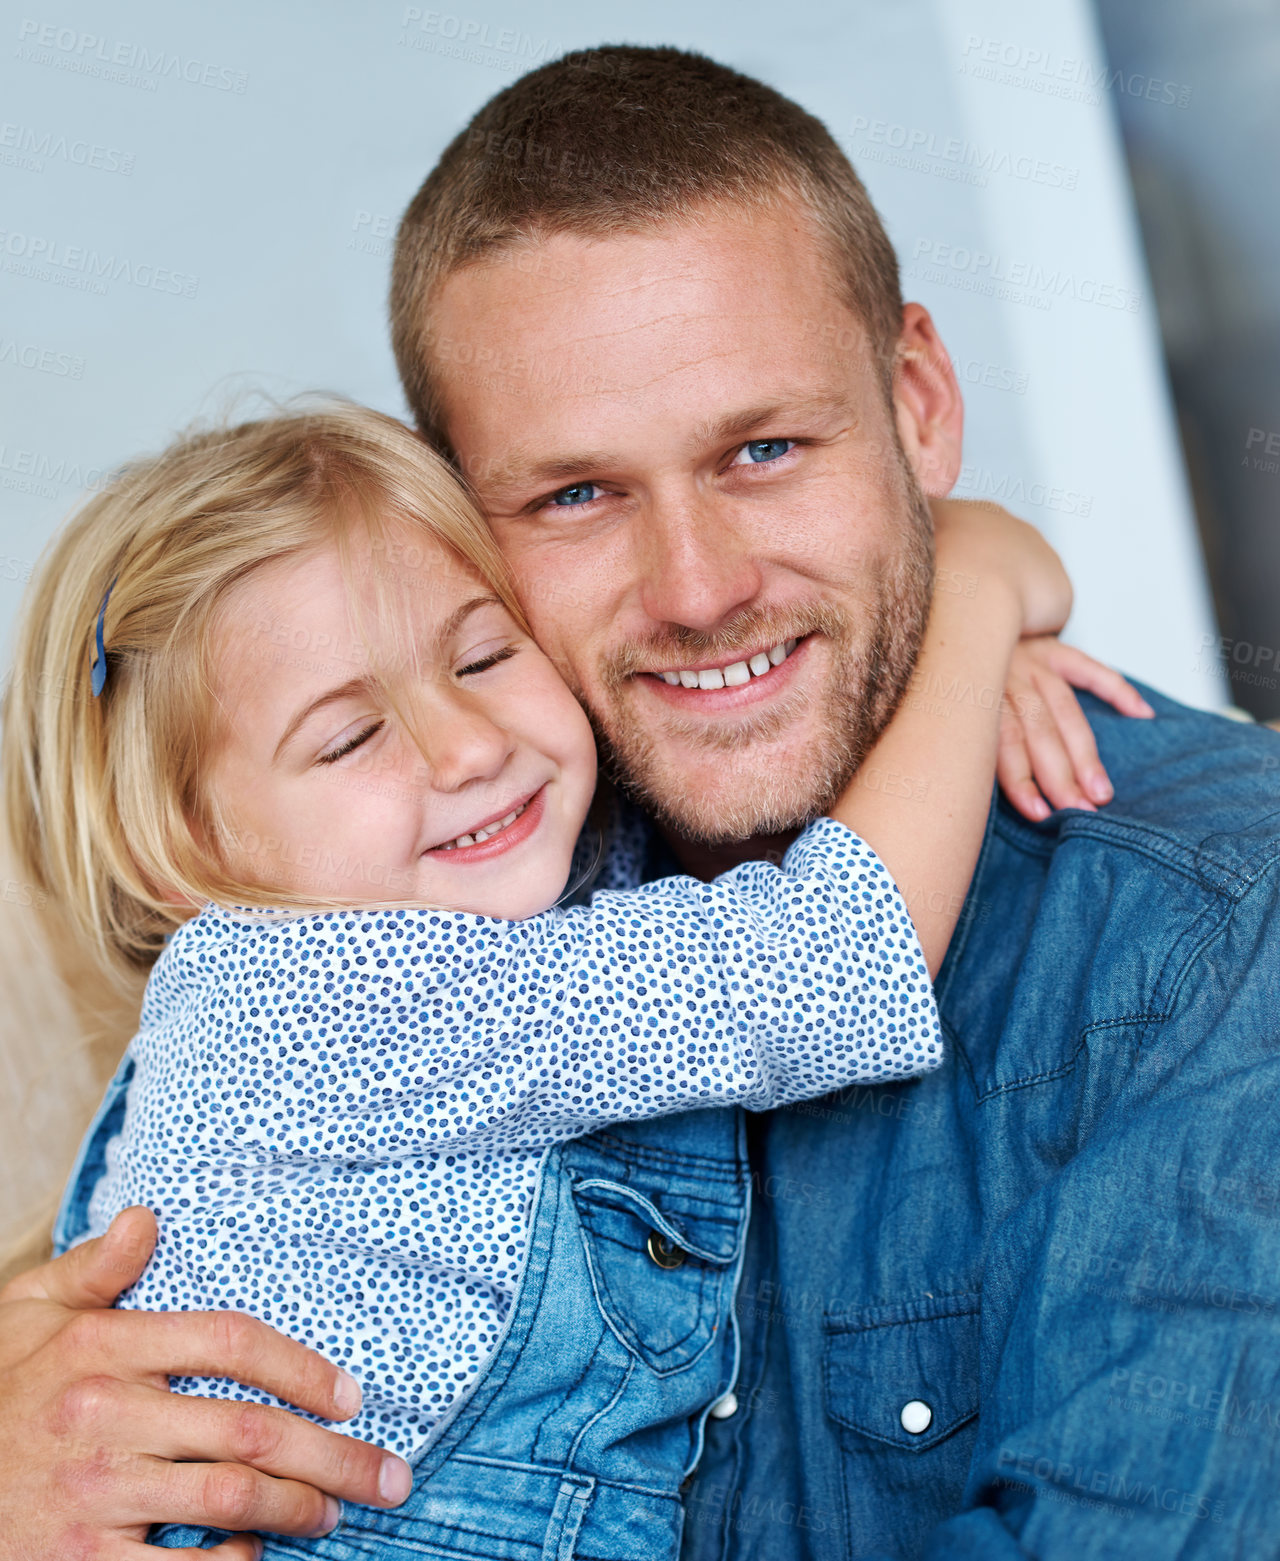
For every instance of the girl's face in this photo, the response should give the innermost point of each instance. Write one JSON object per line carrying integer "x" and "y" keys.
{"x": 467, "y": 793}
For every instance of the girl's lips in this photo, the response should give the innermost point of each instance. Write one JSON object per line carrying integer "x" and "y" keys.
{"x": 715, "y": 701}
{"x": 505, "y": 840}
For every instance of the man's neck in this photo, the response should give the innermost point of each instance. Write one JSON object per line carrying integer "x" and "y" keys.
{"x": 708, "y": 862}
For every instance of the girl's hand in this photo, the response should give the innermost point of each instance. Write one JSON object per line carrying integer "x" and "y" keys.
{"x": 1046, "y": 746}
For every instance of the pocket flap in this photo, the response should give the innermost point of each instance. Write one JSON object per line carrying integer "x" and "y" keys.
{"x": 715, "y": 1238}
{"x": 907, "y": 1375}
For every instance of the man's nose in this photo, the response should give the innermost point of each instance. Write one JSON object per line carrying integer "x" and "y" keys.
{"x": 694, "y": 564}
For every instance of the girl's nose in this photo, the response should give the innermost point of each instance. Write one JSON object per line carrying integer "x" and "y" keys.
{"x": 462, "y": 743}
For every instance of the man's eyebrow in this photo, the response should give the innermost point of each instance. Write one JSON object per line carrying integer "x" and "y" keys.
{"x": 360, "y": 685}
{"x": 779, "y": 412}
{"x": 517, "y": 470}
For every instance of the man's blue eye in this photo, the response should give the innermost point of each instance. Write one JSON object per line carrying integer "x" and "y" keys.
{"x": 579, "y": 493}
{"x": 766, "y": 449}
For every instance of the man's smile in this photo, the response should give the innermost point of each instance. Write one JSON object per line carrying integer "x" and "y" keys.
{"x": 730, "y": 674}
{"x": 733, "y": 681}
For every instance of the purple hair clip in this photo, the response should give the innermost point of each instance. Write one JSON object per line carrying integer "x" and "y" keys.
{"x": 98, "y": 680}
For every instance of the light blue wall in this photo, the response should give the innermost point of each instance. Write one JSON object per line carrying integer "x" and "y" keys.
{"x": 238, "y": 169}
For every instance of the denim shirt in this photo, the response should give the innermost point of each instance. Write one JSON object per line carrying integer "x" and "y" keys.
{"x": 1028, "y": 1305}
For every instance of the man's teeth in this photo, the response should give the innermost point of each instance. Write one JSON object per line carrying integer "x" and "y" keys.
{"x": 486, "y": 833}
{"x": 736, "y": 675}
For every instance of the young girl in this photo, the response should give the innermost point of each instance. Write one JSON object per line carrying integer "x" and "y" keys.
{"x": 277, "y": 726}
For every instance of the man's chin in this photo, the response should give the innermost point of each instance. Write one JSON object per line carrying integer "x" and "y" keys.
{"x": 718, "y": 799}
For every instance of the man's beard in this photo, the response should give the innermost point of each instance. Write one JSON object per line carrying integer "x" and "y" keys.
{"x": 777, "y": 793}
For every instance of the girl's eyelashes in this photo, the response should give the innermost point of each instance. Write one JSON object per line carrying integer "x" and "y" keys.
{"x": 356, "y": 740}
{"x": 483, "y": 663}
{"x": 362, "y": 735}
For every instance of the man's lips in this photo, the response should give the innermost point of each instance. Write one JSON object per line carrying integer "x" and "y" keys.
{"x": 731, "y": 696}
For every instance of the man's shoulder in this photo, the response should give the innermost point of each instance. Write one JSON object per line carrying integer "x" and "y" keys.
{"x": 1094, "y": 923}
{"x": 1194, "y": 793}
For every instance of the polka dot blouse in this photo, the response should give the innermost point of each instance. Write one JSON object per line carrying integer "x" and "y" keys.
{"x": 339, "y": 1119}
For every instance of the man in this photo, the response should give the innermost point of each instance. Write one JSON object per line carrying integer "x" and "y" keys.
{"x": 1025, "y": 1306}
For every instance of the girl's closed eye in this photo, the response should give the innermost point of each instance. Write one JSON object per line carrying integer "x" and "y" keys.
{"x": 350, "y": 741}
{"x": 483, "y": 657}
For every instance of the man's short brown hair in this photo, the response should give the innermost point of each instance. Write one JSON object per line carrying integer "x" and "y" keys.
{"x": 613, "y": 140}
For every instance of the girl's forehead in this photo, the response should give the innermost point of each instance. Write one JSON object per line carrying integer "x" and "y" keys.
{"x": 361, "y": 568}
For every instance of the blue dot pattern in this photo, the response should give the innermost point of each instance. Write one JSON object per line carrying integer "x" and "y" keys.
{"x": 339, "y": 1119}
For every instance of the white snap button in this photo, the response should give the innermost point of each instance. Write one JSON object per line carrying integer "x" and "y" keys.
{"x": 916, "y": 1417}
{"x": 724, "y": 1407}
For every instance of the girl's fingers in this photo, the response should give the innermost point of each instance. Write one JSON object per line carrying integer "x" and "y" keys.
{"x": 1013, "y": 771}
{"x": 1075, "y": 736}
{"x": 1034, "y": 704}
{"x": 1082, "y": 671}
{"x": 1050, "y": 763}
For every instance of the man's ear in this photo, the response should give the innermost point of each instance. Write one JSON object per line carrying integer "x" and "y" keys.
{"x": 927, "y": 403}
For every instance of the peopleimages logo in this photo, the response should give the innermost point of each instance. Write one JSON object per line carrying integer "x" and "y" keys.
{"x": 49, "y": 260}
{"x": 953, "y": 156}
{"x": 23, "y": 146}
{"x": 1037, "y": 69}
{"x": 131, "y": 64}
{"x": 1013, "y": 279}
{"x": 43, "y": 360}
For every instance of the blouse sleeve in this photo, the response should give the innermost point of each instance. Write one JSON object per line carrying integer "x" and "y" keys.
{"x": 389, "y": 1033}
{"x": 770, "y": 984}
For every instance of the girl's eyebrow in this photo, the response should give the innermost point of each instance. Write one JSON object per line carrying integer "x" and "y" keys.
{"x": 332, "y": 696}
{"x": 362, "y": 685}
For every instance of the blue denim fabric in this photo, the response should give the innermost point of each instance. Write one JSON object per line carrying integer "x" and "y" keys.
{"x": 579, "y": 1432}
{"x": 1066, "y": 1242}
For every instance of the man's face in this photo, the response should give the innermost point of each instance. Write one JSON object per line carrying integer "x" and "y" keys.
{"x": 689, "y": 459}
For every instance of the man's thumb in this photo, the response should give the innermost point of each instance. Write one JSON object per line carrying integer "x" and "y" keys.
{"x": 95, "y": 1272}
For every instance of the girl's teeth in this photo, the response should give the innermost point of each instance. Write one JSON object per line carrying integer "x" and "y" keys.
{"x": 733, "y": 676}
{"x": 487, "y": 833}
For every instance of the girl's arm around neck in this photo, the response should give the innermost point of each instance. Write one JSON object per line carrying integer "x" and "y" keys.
{"x": 921, "y": 796}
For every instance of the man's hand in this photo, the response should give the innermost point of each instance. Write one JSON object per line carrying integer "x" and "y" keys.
{"x": 94, "y": 1448}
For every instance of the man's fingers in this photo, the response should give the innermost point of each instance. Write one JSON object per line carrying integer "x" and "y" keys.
{"x": 134, "y": 1345}
{"x": 180, "y": 1427}
{"x": 230, "y": 1496}
{"x": 94, "y": 1273}
{"x": 244, "y": 1547}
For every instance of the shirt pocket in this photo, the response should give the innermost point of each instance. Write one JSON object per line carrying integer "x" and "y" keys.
{"x": 905, "y": 1375}
{"x": 662, "y": 1267}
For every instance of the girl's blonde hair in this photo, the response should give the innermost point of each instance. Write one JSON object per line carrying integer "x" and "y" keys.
{"x": 103, "y": 795}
